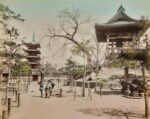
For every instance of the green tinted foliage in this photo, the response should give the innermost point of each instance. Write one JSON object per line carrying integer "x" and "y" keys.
{"x": 133, "y": 56}
{"x": 74, "y": 70}
{"x": 21, "y": 68}
{"x": 124, "y": 62}
{"x": 76, "y": 50}
{"x": 7, "y": 14}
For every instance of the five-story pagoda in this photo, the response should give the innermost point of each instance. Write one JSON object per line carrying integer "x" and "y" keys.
{"x": 33, "y": 57}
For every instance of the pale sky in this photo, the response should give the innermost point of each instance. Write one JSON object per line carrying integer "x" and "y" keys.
{"x": 38, "y": 13}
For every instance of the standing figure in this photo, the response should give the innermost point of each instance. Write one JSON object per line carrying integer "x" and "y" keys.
{"x": 41, "y": 84}
{"x": 52, "y": 87}
{"x": 48, "y": 89}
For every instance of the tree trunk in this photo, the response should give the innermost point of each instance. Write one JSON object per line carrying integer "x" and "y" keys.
{"x": 146, "y": 98}
{"x": 83, "y": 87}
{"x": 126, "y": 72}
{"x": 83, "y": 79}
{"x": 71, "y": 84}
{"x": 7, "y": 86}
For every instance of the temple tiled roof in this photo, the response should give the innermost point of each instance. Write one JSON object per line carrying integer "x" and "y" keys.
{"x": 119, "y": 23}
{"x": 116, "y": 24}
{"x": 120, "y": 16}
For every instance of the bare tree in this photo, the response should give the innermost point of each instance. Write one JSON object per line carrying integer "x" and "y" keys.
{"x": 68, "y": 28}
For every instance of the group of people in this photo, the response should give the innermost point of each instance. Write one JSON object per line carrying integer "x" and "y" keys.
{"x": 47, "y": 86}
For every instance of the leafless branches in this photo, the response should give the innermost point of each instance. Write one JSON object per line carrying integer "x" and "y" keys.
{"x": 68, "y": 29}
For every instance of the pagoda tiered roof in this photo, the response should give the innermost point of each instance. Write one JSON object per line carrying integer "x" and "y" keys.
{"x": 33, "y": 57}
{"x": 34, "y": 63}
{"x": 32, "y": 50}
{"x": 118, "y": 24}
{"x": 33, "y": 53}
{"x": 33, "y": 44}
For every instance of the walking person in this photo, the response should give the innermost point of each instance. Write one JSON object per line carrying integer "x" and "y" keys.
{"x": 41, "y": 88}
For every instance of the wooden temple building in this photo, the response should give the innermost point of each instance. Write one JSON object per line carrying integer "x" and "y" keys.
{"x": 33, "y": 57}
{"x": 118, "y": 33}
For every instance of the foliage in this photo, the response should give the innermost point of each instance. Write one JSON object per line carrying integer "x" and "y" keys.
{"x": 11, "y": 49}
{"x": 114, "y": 77}
{"x": 102, "y": 82}
{"x": 124, "y": 62}
{"x": 7, "y": 14}
{"x": 76, "y": 50}
{"x": 145, "y": 24}
{"x": 8, "y": 42}
{"x": 21, "y": 68}
{"x": 74, "y": 70}
{"x": 50, "y": 70}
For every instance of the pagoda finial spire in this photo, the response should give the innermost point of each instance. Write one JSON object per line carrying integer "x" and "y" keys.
{"x": 33, "y": 36}
{"x": 121, "y": 8}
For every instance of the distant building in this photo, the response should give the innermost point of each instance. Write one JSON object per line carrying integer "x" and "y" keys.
{"x": 33, "y": 57}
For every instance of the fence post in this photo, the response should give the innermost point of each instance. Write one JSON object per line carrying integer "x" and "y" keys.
{"x": 60, "y": 93}
{"x": 18, "y": 99}
{"x": 9, "y": 105}
{"x": 74, "y": 90}
{"x": 89, "y": 91}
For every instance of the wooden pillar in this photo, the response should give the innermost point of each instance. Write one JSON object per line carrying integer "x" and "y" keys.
{"x": 16, "y": 96}
{"x": 4, "y": 114}
{"x": 107, "y": 45}
{"x": 146, "y": 97}
{"x": 113, "y": 57}
{"x": 6, "y": 95}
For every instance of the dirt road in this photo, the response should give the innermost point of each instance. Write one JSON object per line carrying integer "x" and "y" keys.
{"x": 105, "y": 107}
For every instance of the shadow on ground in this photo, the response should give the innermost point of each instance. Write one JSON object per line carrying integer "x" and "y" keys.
{"x": 110, "y": 92}
{"x": 113, "y": 113}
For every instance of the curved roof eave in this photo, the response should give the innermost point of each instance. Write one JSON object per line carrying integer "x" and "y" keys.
{"x": 120, "y": 16}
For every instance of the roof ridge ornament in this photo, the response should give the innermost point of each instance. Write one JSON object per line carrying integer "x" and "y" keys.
{"x": 121, "y": 8}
